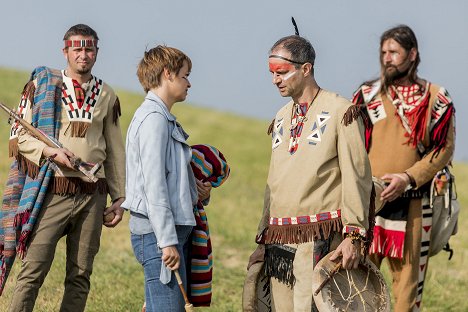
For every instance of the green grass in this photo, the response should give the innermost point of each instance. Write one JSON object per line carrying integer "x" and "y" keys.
{"x": 234, "y": 211}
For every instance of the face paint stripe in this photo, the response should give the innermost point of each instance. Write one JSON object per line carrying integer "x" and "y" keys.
{"x": 286, "y": 77}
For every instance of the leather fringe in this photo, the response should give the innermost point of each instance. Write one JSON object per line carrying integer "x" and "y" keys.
{"x": 301, "y": 233}
{"x": 13, "y": 147}
{"x": 279, "y": 263}
{"x": 22, "y": 244}
{"x": 270, "y": 127}
{"x": 74, "y": 185}
{"x": 116, "y": 111}
{"x": 79, "y": 128}
{"x": 27, "y": 167}
{"x": 29, "y": 90}
{"x": 266, "y": 289}
{"x": 371, "y": 219}
{"x": 352, "y": 113}
{"x": 20, "y": 220}
{"x": 3, "y": 271}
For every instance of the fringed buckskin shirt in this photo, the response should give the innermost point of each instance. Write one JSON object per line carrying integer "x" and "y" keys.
{"x": 325, "y": 185}
{"x": 388, "y": 134}
{"x": 99, "y": 140}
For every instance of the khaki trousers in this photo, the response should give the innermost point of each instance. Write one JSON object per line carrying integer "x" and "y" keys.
{"x": 299, "y": 298}
{"x": 405, "y": 271}
{"x": 79, "y": 217}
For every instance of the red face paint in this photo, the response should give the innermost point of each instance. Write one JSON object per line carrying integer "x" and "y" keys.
{"x": 280, "y": 68}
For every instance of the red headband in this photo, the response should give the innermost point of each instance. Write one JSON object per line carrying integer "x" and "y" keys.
{"x": 80, "y": 43}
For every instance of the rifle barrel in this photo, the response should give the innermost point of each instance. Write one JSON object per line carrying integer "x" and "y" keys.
{"x": 76, "y": 161}
{"x": 34, "y": 131}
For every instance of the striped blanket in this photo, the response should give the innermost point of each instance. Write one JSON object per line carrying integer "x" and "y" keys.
{"x": 208, "y": 165}
{"x": 24, "y": 193}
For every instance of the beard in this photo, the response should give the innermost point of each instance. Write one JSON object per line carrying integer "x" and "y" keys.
{"x": 84, "y": 71}
{"x": 392, "y": 74}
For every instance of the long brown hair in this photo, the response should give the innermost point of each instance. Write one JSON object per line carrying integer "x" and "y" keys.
{"x": 405, "y": 36}
{"x": 407, "y": 39}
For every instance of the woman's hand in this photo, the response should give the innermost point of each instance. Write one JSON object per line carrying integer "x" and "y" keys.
{"x": 171, "y": 257}
{"x": 204, "y": 190}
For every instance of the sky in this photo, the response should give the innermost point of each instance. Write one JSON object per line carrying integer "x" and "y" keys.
{"x": 228, "y": 42}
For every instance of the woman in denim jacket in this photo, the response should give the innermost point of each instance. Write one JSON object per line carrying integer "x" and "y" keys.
{"x": 161, "y": 189}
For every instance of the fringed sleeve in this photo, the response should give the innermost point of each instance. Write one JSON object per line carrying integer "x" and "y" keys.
{"x": 371, "y": 218}
{"x": 27, "y": 97}
{"x": 270, "y": 127}
{"x": 116, "y": 112}
{"x": 28, "y": 91}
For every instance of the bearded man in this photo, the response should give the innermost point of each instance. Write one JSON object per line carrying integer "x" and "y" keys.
{"x": 409, "y": 137}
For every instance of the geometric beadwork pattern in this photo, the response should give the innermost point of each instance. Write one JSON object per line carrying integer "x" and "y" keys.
{"x": 318, "y": 128}
{"x": 84, "y": 113}
{"x": 277, "y": 133}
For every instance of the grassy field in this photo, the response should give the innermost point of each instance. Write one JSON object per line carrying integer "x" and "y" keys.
{"x": 117, "y": 280}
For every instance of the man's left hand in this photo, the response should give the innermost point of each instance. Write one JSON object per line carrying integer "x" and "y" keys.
{"x": 117, "y": 210}
{"x": 350, "y": 252}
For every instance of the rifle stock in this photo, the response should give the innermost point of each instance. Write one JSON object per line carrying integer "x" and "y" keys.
{"x": 76, "y": 161}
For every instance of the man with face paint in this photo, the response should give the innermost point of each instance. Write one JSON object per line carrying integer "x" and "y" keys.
{"x": 82, "y": 112}
{"x": 409, "y": 137}
{"x": 319, "y": 183}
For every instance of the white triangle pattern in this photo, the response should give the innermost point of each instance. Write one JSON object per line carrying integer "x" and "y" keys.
{"x": 321, "y": 120}
{"x": 315, "y": 136}
{"x": 276, "y": 140}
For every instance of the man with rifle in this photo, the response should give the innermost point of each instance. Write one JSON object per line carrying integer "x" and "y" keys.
{"x": 55, "y": 187}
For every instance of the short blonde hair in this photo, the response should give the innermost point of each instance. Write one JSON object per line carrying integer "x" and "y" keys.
{"x": 155, "y": 60}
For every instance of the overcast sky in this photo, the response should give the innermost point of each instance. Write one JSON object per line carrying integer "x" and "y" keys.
{"x": 228, "y": 42}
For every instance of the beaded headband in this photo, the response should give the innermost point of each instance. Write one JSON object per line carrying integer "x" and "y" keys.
{"x": 88, "y": 43}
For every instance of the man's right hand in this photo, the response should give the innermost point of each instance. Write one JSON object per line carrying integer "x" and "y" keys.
{"x": 171, "y": 257}
{"x": 350, "y": 252}
{"x": 61, "y": 156}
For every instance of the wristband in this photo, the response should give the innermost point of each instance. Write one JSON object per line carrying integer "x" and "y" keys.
{"x": 411, "y": 179}
{"x": 355, "y": 237}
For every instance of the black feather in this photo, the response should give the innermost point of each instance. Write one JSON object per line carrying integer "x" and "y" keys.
{"x": 295, "y": 26}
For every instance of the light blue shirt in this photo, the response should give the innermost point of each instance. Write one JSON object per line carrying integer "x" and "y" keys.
{"x": 160, "y": 186}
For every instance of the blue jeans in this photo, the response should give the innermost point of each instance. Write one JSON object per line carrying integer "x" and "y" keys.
{"x": 159, "y": 296}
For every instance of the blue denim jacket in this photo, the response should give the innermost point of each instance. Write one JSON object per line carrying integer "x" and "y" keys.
{"x": 159, "y": 176}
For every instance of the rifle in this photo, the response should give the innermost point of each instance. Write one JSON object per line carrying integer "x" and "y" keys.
{"x": 76, "y": 162}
